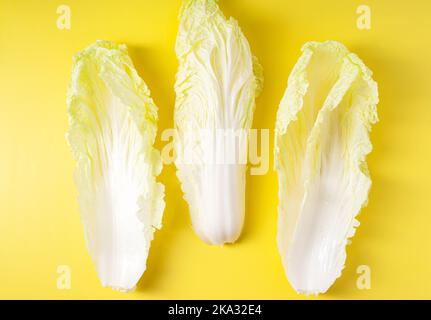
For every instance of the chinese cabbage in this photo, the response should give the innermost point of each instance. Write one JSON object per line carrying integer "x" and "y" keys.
{"x": 321, "y": 142}
{"x": 113, "y": 124}
{"x": 216, "y": 85}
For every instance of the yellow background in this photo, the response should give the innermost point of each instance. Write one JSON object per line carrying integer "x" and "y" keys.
{"x": 39, "y": 221}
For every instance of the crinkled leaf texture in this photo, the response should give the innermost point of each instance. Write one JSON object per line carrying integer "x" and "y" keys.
{"x": 216, "y": 85}
{"x": 321, "y": 141}
{"x": 113, "y": 124}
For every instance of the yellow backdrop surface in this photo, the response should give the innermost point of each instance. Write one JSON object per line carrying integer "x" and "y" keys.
{"x": 40, "y": 226}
